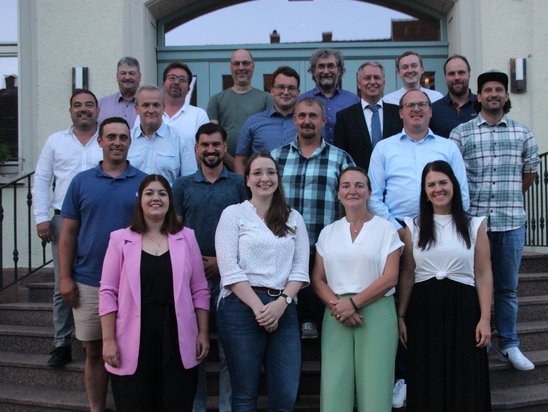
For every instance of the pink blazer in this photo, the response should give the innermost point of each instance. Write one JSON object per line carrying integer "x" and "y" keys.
{"x": 120, "y": 292}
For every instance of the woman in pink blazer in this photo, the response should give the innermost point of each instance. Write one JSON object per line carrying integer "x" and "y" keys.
{"x": 154, "y": 303}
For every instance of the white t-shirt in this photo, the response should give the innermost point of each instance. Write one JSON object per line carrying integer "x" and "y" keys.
{"x": 394, "y": 97}
{"x": 351, "y": 267}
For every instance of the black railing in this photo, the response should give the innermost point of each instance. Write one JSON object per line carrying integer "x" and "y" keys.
{"x": 536, "y": 207}
{"x": 23, "y": 233}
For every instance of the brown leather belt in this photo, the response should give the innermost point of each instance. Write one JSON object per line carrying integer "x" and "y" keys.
{"x": 268, "y": 291}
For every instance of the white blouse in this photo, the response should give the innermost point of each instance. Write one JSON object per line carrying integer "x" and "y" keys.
{"x": 448, "y": 257}
{"x": 350, "y": 267}
{"x": 247, "y": 250}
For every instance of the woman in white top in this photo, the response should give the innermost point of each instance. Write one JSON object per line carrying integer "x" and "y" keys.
{"x": 445, "y": 300}
{"x": 262, "y": 253}
{"x": 355, "y": 272}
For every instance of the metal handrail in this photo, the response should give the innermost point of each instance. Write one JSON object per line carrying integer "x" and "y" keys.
{"x": 19, "y": 273}
{"x": 536, "y": 207}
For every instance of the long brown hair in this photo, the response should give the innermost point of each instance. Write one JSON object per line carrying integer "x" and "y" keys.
{"x": 279, "y": 210}
{"x": 171, "y": 225}
{"x": 427, "y": 234}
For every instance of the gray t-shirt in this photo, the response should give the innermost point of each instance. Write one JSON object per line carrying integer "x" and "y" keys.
{"x": 232, "y": 109}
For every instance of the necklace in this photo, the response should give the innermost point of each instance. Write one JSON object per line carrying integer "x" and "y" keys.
{"x": 158, "y": 244}
{"x": 448, "y": 221}
{"x": 356, "y": 230}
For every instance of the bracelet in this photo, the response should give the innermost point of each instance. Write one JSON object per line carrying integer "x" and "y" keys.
{"x": 353, "y": 304}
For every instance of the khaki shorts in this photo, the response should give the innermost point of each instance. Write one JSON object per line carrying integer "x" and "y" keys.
{"x": 86, "y": 317}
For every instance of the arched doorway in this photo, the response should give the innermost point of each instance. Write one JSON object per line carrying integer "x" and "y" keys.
{"x": 210, "y": 63}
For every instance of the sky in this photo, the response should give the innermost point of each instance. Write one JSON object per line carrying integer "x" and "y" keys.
{"x": 295, "y": 21}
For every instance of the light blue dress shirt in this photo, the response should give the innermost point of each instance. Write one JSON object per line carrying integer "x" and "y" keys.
{"x": 167, "y": 153}
{"x": 395, "y": 173}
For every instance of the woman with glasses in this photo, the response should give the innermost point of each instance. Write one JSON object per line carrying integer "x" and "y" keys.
{"x": 262, "y": 253}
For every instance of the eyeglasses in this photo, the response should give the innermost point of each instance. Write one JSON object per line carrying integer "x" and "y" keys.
{"x": 328, "y": 66}
{"x": 172, "y": 78}
{"x": 267, "y": 172}
{"x": 416, "y": 105}
{"x": 245, "y": 63}
{"x": 281, "y": 88}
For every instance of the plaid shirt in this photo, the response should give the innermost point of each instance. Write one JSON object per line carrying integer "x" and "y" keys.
{"x": 496, "y": 157}
{"x": 310, "y": 184}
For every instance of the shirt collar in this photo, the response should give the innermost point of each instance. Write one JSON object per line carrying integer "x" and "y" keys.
{"x": 199, "y": 176}
{"x": 161, "y": 132}
{"x": 295, "y": 145}
{"x": 120, "y": 98}
{"x": 481, "y": 121}
{"x": 316, "y": 91}
{"x": 365, "y": 104}
{"x": 129, "y": 172}
{"x": 429, "y": 135}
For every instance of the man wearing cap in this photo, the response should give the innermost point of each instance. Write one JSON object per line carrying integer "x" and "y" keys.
{"x": 501, "y": 158}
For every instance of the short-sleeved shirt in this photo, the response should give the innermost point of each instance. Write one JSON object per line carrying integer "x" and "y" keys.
{"x": 115, "y": 105}
{"x": 496, "y": 156}
{"x": 232, "y": 109}
{"x": 264, "y": 131}
{"x": 445, "y": 116}
{"x": 101, "y": 204}
{"x": 310, "y": 184}
{"x": 200, "y": 203}
{"x": 352, "y": 266}
{"x": 340, "y": 100}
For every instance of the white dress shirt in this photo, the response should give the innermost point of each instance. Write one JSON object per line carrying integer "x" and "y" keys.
{"x": 368, "y": 114}
{"x": 62, "y": 157}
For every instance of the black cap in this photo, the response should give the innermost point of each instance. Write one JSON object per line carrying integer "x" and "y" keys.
{"x": 492, "y": 76}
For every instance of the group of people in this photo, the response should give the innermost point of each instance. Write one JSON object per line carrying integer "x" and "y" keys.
{"x": 290, "y": 216}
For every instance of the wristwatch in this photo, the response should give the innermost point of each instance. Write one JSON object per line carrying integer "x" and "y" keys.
{"x": 288, "y": 299}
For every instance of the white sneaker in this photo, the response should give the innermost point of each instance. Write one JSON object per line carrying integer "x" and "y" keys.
{"x": 399, "y": 394}
{"x": 516, "y": 358}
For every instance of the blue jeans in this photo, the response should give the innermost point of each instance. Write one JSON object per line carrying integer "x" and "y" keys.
{"x": 506, "y": 249}
{"x": 249, "y": 347}
{"x": 225, "y": 392}
{"x": 63, "y": 323}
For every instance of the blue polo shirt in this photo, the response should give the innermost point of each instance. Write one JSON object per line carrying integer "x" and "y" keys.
{"x": 445, "y": 117}
{"x": 264, "y": 131}
{"x": 200, "y": 203}
{"x": 101, "y": 204}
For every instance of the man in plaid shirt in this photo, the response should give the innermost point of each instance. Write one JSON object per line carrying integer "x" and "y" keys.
{"x": 310, "y": 169}
{"x": 501, "y": 159}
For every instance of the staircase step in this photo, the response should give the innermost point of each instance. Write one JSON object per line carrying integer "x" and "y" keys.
{"x": 32, "y": 314}
{"x": 40, "y": 292}
{"x": 532, "y": 262}
{"x": 532, "y": 308}
{"x": 20, "y": 368}
{"x": 532, "y": 284}
{"x": 18, "y": 398}
{"x": 32, "y": 339}
{"x": 531, "y": 398}
{"x": 504, "y": 376}
{"x": 533, "y": 335}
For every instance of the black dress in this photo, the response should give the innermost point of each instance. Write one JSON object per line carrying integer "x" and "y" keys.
{"x": 160, "y": 383}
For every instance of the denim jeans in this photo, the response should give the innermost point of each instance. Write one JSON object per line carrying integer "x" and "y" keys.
{"x": 249, "y": 347}
{"x": 225, "y": 392}
{"x": 506, "y": 249}
{"x": 63, "y": 322}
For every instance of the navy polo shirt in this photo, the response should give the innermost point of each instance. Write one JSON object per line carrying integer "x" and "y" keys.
{"x": 445, "y": 117}
{"x": 200, "y": 203}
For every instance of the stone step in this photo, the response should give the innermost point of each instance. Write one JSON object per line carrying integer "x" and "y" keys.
{"x": 532, "y": 308}
{"x": 32, "y": 339}
{"x": 31, "y": 314}
{"x": 533, "y": 335}
{"x": 40, "y": 292}
{"x": 532, "y": 262}
{"x": 530, "y": 398}
{"x": 532, "y": 284}
{"x": 19, "y": 368}
{"x": 21, "y": 398}
{"x": 504, "y": 376}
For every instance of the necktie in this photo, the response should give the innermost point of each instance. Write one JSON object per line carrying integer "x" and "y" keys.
{"x": 376, "y": 134}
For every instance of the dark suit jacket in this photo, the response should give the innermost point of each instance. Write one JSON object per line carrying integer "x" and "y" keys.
{"x": 351, "y": 132}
